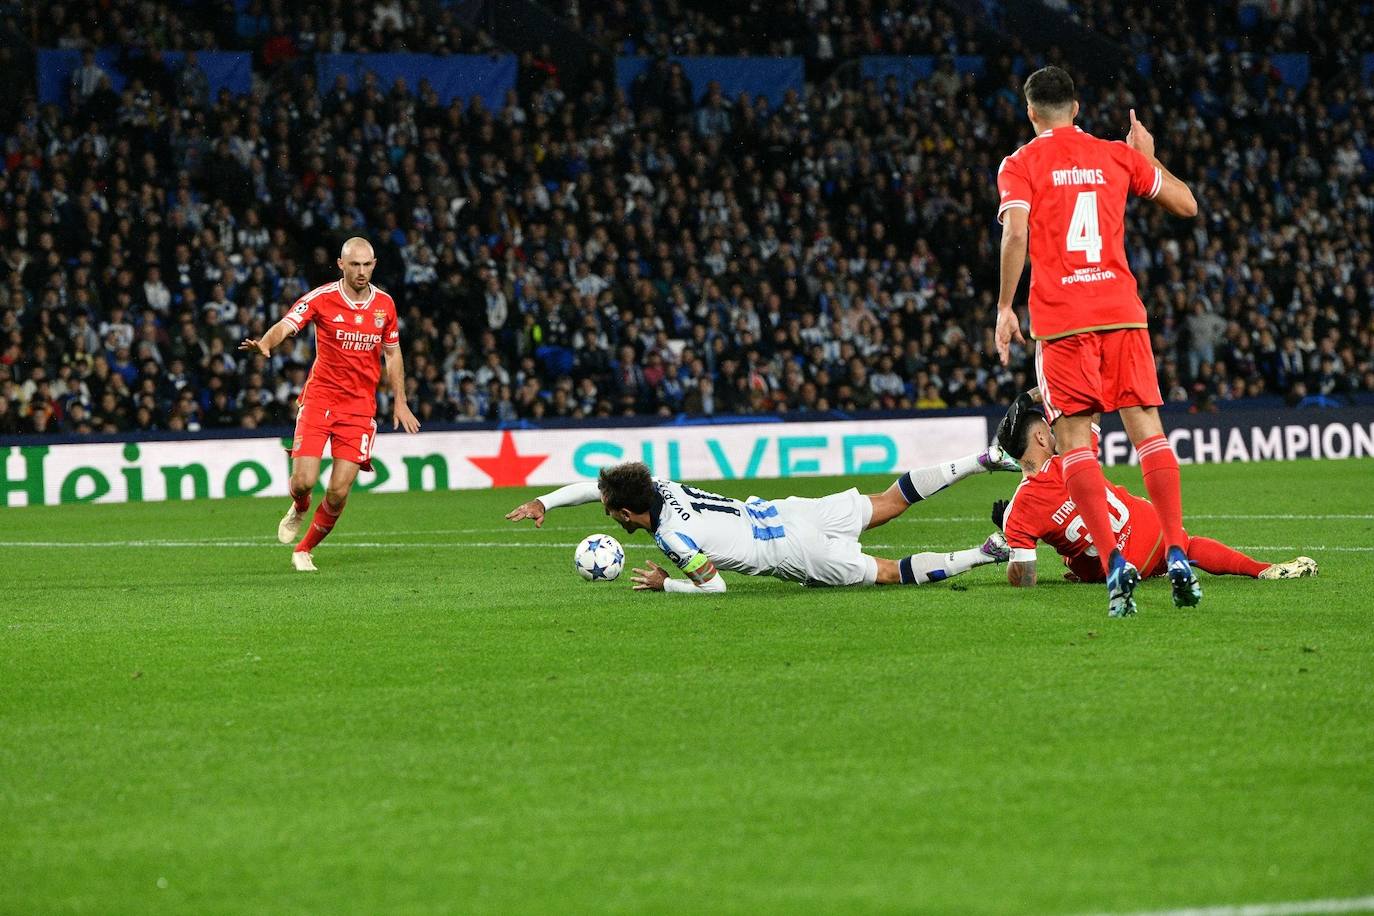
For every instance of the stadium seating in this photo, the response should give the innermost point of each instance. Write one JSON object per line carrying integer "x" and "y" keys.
{"x": 581, "y": 248}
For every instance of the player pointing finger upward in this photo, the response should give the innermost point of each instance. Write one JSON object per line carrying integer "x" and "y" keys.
{"x": 1063, "y": 197}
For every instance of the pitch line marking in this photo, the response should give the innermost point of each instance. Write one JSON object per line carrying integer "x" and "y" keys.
{"x": 915, "y": 517}
{"x": 232, "y": 543}
{"x": 374, "y": 544}
{"x": 1291, "y": 908}
{"x": 904, "y": 519}
{"x": 1224, "y": 516}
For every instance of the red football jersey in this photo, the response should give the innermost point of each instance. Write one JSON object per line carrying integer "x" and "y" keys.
{"x": 1042, "y": 510}
{"x": 348, "y": 336}
{"x": 1075, "y": 187}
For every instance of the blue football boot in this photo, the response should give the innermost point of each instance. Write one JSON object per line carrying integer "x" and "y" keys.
{"x": 1187, "y": 589}
{"x": 1122, "y": 578}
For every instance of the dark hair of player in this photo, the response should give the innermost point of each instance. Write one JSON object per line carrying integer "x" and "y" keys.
{"x": 628, "y": 486}
{"x": 1050, "y": 89}
{"x": 1013, "y": 433}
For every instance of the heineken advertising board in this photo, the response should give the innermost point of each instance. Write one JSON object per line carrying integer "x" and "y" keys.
{"x": 218, "y": 468}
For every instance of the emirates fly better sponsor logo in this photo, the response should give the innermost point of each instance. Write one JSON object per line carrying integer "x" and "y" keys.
{"x": 357, "y": 340}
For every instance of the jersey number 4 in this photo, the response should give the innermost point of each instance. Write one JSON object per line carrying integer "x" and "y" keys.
{"x": 1084, "y": 234}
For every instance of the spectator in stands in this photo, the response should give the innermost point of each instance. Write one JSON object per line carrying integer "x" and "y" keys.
{"x": 192, "y": 84}
{"x": 1206, "y": 330}
{"x": 831, "y": 253}
{"x": 87, "y": 78}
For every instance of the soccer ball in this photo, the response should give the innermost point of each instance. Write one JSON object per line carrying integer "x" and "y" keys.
{"x": 599, "y": 557}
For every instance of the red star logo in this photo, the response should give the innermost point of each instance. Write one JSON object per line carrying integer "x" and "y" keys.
{"x": 508, "y": 468}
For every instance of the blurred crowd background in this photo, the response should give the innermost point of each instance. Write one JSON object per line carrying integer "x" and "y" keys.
{"x": 584, "y": 250}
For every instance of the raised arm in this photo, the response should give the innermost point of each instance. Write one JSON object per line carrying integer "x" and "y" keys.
{"x": 1173, "y": 195}
{"x": 574, "y": 494}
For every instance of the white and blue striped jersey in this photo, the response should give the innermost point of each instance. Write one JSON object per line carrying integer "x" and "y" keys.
{"x": 745, "y": 537}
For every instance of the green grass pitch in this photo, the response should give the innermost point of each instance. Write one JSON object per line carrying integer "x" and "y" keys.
{"x": 445, "y": 719}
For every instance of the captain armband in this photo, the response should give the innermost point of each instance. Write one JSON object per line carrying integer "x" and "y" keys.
{"x": 699, "y": 568}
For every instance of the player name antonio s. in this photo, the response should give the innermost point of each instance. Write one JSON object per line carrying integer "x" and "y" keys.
{"x": 1062, "y": 200}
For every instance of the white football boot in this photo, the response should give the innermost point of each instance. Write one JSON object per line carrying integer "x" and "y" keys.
{"x": 302, "y": 561}
{"x": 995, "y": 459}
{"x": 289, "y": 528}
{"x": 1297, "y": 568}
{"x": 995, "y": 548}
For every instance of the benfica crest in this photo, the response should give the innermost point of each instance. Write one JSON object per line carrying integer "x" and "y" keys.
{"x": 379, "y": 315}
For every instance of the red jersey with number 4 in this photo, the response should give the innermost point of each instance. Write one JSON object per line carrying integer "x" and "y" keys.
{"x": 348, "y": 339}
{"x": 1075, "y": 187}
{"x": 1042, "y": 510}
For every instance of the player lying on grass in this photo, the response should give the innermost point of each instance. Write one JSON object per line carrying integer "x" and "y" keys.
{"x": 1042, "y": 510}
{"x": 812, "y": 541}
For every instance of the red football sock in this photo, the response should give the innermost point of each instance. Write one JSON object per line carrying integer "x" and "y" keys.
{"x": 320, "y": 526}
{"x": 1219, "y": 560}
{"x": 1087, "y": 486}
{"x": 1159, "y": 467}
{"x": 302, "y": 502}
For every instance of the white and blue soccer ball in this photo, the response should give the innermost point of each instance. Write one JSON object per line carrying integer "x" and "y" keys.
{"x": 599, "y": 558}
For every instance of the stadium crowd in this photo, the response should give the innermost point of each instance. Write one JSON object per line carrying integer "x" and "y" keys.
{"x": 825, "y": 32}
{"x": 278, "y": 31}
{"x": 581, "y": 251}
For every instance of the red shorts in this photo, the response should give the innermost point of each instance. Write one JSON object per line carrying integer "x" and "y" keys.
{"x": 1097, "y": 372}
{"x": 350, "y": 436}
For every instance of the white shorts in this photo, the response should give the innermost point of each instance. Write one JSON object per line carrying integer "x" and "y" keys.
{"x": 822, "y": 543}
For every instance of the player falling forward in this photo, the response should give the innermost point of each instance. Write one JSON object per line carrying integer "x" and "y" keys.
{"x": 811, "y": 541}
{"x": 1042, "y": 510}
{"x": 338, "y": 404}
{"x": 1064, "y": 194}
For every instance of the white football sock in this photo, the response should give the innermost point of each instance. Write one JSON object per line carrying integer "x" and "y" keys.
{"x": 923, "y": 483}
{"x": 921, "y": 568}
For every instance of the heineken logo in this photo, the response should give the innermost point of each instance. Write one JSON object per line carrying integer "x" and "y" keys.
{"x": 34, "y": 475}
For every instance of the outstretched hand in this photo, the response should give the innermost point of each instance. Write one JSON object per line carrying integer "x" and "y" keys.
{"x": 402, "y": 418}
{"x": 1138, "y": 138}
{"x": 1008, "y": 329}
{"x": 651, "y": 579}
{"x": 252, "y": 344}
{"x": 533, "y": 509}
